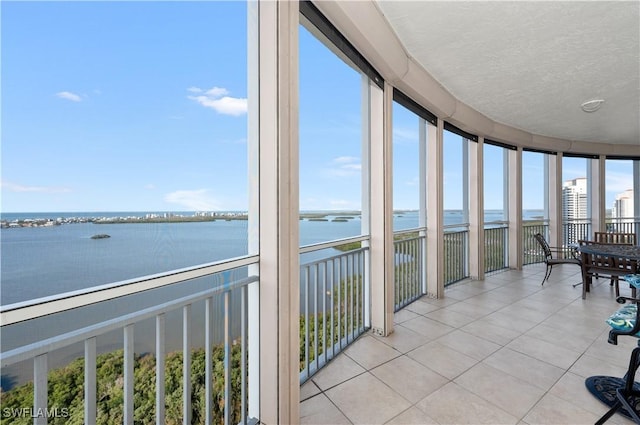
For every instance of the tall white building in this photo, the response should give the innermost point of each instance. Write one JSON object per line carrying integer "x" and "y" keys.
{"x": 574, "y": 207}
{"x": 623, "y": 205}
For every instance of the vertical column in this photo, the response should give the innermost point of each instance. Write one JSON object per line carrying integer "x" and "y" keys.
{"x": 422, "y": 185}
{"x": 555, "y": 199}
{"x": 513, "y": 201}
{"x": 435, "y": 219}
{"x": 476, "y": 209}
{"x": 596, "y": 194}
{"x": 279, "y": 242}
{"x": 253, "y": 225}
{"x": 381, "y": 209}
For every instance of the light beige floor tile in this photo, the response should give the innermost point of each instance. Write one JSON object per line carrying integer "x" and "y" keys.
{"x": 471, "y": 309}
{"x": 421, "y": 307}
{"x": 450, "y": 317}
{"x": 509, "y": 322}
{"x": 483, "y": 329}
{"x": 412, "y": 416}
{"x": 531, "y": 370}
{"x": 545, "y": 351}
{"x": 403, "y": 339}
{"x": 369, "y": 352}
{"x": 366, "y": 400}
{"x": 428, "y": 327}
{"x": 588, "y": 365}
{"x": 522, "y": 311}
{"x": 453, "y": 404}
{"x": 511, "y": 394}
{"x": 338, "y": 370}
{"x": 440, "y": 302}
{"x": 442, "y": 359}
{"x": 308, "y": 390}
{"x": 320, "y": 410}
{"x": 409, "y": 378}
{"x": 404, "y": 315}
{"x": 571, "y": 388}
{"x": 469, "y": 344}
{"x": 554, "y": 410}
{"x": 488, "y": 301}
{"x": 554, "y": 335}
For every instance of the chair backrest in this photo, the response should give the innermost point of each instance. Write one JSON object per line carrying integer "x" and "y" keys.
{"x": 543, "y": 243}
{"x": 614, "y": 237}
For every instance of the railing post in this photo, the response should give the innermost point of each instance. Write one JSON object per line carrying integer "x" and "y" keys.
{"x": 128, "y": 374}
{"x": 160, "y": 356}
{"x": 90, "y": 380}
{"x": 40, "y": 372}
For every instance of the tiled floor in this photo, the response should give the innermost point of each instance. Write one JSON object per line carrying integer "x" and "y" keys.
{"x": 500, "y": 351}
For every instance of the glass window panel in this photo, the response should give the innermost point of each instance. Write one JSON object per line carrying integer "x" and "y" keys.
{"x": 141, "y": 119}
{"x": 406, "y": 172}
{"x": 330, "y": 143}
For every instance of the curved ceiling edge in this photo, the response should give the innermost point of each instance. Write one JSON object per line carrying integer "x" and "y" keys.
{"x": 364, "y": 25}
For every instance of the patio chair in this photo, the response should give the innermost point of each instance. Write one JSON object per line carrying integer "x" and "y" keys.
{"x": 562, "y": 256}
{"x": 621, "y": 393}
{"x": 617, "y": 238}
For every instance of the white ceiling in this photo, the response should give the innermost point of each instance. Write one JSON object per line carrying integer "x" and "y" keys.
{"x": 531, "y": 64}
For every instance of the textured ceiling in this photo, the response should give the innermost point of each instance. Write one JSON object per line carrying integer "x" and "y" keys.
{"x": 530, "y": 65}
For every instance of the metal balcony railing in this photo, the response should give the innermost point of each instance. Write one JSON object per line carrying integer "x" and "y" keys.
{"x": 409, "y": 247}
{"x": 456, "y": 255}
{"x": 575, "y": 230}
{"x": 496, "y": 246}
{"x": 334, "y": 302}
{"x": 233, "y": 408}
{"x": 531, "y": 248}
{"x": 624, "y": 225}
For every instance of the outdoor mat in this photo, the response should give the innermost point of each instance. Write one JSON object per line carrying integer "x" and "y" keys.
{"x": 604, "y": 389}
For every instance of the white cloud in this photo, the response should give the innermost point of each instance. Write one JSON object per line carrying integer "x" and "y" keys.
{"x": 345, "y": 159}
{"x": 69, "y": 96}
{"x": 193, "y": 200}
{"x": 344, "y": 166}
{"x": 19, "y": 188}
{"x": 216, "y": 99}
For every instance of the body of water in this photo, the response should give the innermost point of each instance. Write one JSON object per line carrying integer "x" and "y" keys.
{"x": 43, "y": 261}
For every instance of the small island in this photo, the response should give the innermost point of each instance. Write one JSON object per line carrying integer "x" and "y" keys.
{"x": 100, "y": 236}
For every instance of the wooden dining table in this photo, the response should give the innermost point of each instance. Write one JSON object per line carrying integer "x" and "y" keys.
{"x": 607, "y": 259}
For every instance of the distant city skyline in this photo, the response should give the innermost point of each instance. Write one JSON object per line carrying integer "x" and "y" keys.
{"x": 142, "y": 106}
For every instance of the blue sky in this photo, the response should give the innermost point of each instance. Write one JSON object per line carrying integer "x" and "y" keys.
{"x": 136, "y": 106}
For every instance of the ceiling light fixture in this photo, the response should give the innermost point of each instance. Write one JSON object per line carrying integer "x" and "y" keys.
{"x": 592, "y": 105}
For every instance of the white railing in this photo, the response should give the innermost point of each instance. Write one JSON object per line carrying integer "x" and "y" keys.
{"x": 39, "y": 351}
{"x": 334, "y": 302}
{"x": 409, "y": 268}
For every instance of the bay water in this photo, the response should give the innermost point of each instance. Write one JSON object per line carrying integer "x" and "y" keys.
{"x": 43, "y": 261}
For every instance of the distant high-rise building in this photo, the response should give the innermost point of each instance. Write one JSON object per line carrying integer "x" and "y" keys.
{"x": 622, "y": 211}
{"x": 574, "y": 207}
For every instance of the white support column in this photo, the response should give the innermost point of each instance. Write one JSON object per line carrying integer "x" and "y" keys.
{"x": 555, "y": 199}
{"x": 253, "y": 224}
{"x": 381, "y": 211}
{"x": 596, "y": 194}
{"x": 476, "y": 209}
{"x": 278, "y": 228}
{"x": 514, "y": 189}
{"x": 422, "y": 185}
{"x": 435, "y": 218}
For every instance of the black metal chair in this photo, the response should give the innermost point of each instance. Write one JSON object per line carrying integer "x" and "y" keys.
{"x": 624, "y": 395}
{"x": 562, "y": 256}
